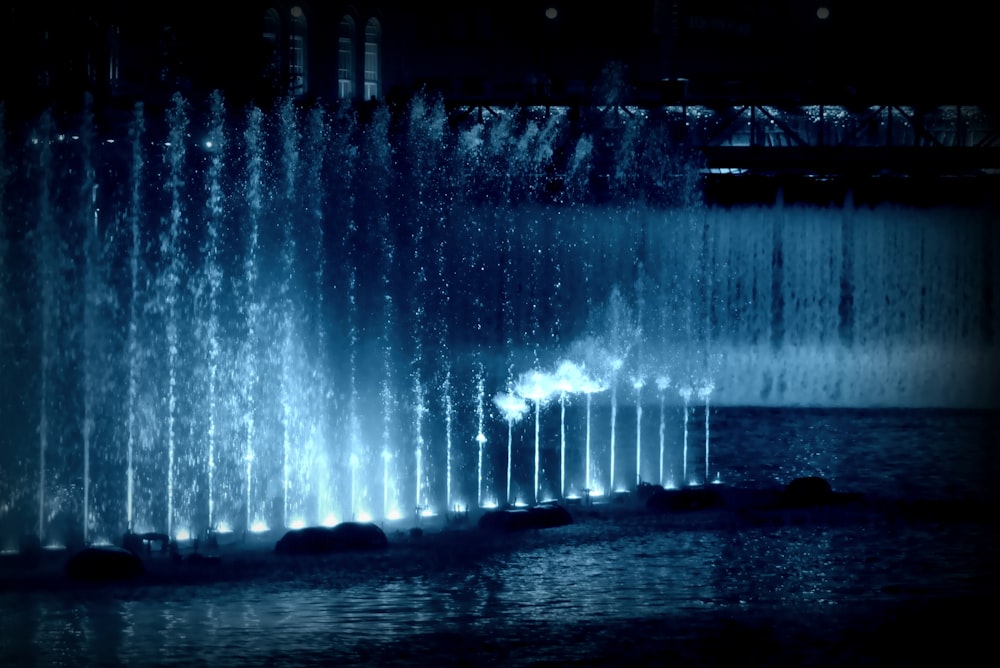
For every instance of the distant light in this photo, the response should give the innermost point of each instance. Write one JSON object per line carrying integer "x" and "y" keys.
{"x": 224, "y": 528}
{"x": 394, "y": 514}
{"x": 296, "y": 12}
{"x": 364, "y": 516}
{"x": 823, "y": 13}
{"x": 330, "y": 520}
{"x": 297, "y": 523}
{"x": 258, "y": 527}
{"x": 551, "y": 13}
{"x": 183, "y": 534}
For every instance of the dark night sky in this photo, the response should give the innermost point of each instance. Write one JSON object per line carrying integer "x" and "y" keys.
{"x": 880, "y": 47}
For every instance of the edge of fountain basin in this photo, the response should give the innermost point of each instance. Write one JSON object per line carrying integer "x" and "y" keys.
{"x": 449, "y": 544}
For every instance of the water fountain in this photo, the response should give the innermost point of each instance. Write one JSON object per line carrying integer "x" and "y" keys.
{"x": 247, "y": 318}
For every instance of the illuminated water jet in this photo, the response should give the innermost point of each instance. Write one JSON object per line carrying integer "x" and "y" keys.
{"x": 513, "y": 409}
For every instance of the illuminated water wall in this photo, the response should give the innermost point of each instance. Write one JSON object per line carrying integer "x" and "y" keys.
{"x": 240, "y": 318}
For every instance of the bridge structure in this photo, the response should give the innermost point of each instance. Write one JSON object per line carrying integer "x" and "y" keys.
{"x": 764, "y": 145}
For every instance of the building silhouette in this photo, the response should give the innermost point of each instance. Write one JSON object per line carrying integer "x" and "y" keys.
{"x": 773, "y": 86}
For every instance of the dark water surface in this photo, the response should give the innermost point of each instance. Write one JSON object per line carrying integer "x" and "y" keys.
{"x": 907, "y": 574}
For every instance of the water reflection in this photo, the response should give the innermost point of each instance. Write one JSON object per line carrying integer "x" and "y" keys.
{"x": 621, "y": 586}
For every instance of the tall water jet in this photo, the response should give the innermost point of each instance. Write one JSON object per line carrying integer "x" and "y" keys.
{"x": 637, "y": 384}
{"x": 355, "y": 463}
{"x": 589, "y": 387}
{"x": 135, "y": 208}
{"x": 290, "y": 136}
{"x": 92, "y": 298}
{"x": 480, "y": 436}
{"x": 48, "y": 267}
{"x": 622, "y": 333}
{"x": 513, "y": 408}
{"x": 662, "y": 383}
{"x": 320, "y": 483}
{"x": 386, "y": 459}
{"x": 685, "y": 392}
{"x": 215, "y": 144}
{"x": 568, "y": 378}
{"x": 616, "y": 365}
{"x": 448, "y": 414}
{"x": 174, "y": 156}
{"x": 377, "y": 149}
{"x": 704, "y": 392}
{"x": 419, "y": 410}
{"x": 250, "y": 302}
{"x": 537, "y": 387}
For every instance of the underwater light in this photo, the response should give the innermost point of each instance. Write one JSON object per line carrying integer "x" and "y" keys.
{"x": 330, "y": 520}
{"x": 394, "y": 514}
{"x": 297, "y": 523}
{"x": 259, "y": 526}
{"x": 224, "y": 528}
{"x": 364, "y": 516}
{"x": 182, "y": 534}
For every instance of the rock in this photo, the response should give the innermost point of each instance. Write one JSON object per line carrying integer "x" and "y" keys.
{"x": 104, "y": 563}
{"x": 518, "y": 519}
{"x": 345, "y": 537}
{"x": 807, "y": 491}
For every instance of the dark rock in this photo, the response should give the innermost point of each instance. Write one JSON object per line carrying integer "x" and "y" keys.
{"x": 807, "y": 491}
{"x": 688, "y": 498}
{"x": 345, "y": 537}
{"x": 104, "y": 563}
{"x": 518, "y": 519}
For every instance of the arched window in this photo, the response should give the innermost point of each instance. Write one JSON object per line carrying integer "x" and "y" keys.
{"x": 114, "y": 54}
{"x": 298, "y": 55}
{"x": 270, "y": 35}
{"x": 345, "y": 59}
{"x": 373, "y": 39}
